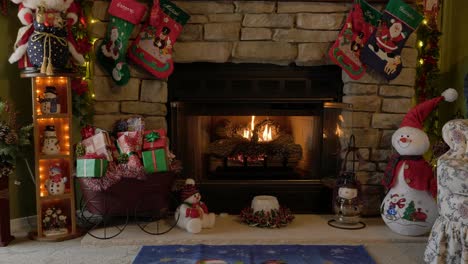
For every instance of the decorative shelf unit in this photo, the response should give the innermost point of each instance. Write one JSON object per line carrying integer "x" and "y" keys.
{"x": 55, "y": 196}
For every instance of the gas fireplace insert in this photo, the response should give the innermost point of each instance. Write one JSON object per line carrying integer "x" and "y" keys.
{"x": 249, "y": 129}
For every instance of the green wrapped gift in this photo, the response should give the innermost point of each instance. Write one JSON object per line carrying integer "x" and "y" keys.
{"x": 91, "y": 168}
{"x": 155, "y": 160}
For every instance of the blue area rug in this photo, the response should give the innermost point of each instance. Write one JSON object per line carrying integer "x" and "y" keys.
{"x": 264, "y": 254}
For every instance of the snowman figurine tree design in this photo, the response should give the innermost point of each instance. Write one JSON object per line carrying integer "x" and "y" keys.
{"x": 409, "y": 208}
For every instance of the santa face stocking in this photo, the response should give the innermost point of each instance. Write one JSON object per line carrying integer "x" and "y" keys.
{"x": 111, "y": 53}
{"x": 383, "y": 51}
{"x": 152, "y": 50}
{"x": 359, "y": 25}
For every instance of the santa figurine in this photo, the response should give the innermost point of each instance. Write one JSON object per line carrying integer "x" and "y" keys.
{"x": 193, "y": 214}
{"x": 409, "y": 208}
{"x": 46, "y": 39}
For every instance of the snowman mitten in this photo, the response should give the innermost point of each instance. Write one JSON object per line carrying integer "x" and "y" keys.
{"x": 111, "y": 53}
{"x": 382, "y": 52}
{"x": 359, "y": 25}
{"x": 152, "y": 50}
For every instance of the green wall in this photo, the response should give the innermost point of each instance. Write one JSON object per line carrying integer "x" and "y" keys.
{"x": 454, "y": 52}
{"x": 17, "y": 91}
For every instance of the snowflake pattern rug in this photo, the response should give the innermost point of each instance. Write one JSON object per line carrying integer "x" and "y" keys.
{"x": 255, "y": 254}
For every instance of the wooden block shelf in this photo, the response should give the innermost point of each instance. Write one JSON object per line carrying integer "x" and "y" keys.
{"x": 55, "y": 196}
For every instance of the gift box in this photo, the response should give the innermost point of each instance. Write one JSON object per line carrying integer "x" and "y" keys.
{"x": 130, "y": 142}
{"x": 91, "y": 168}
{"x": 154, "y": 139}
{"x": 99, "y": 144}
{"x": 155, "y": 160}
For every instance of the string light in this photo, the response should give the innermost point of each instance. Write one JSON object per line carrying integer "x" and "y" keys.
{"x": 420, "y": 44}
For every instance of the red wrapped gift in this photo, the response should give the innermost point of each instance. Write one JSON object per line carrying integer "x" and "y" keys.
{"x": 99, "y": 144}
{"x": 127, "y": 143}
{"x": 134, "y": 139}
{"x": 154, "y": 139}
{"x": 87, "y": 132}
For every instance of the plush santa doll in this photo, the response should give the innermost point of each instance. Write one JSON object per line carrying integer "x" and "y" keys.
{"x": 409, "y": 208}
{"x": 47, "y": 28}
{"x": 193, "y": 214}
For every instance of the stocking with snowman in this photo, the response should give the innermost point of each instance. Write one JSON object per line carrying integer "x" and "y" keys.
{"x": 409, "y": 208}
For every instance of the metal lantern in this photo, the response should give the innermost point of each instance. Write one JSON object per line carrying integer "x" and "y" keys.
{"x": 346, "y": 195}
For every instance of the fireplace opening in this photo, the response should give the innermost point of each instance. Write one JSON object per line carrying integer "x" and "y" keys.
{"x": 251, "y": 129}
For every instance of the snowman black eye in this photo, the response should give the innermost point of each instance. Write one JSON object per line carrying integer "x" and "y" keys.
{"x": 407, "y": 136}
{"x": 401, "y": 136}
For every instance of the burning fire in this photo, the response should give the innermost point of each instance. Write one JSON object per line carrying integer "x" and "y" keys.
{"x": 263, "y": 136}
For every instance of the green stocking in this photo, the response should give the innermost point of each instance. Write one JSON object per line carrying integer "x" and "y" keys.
{"x": 124, "y": 14}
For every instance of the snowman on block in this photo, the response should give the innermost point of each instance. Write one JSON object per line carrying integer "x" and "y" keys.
{"x": 409, "y": 208}
{"x": 193, "y": 214}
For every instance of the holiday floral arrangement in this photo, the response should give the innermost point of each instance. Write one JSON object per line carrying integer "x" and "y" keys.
{"x": 13, "y": 138}
{"x": 54, "y": 221}
{"x": 275, "y": 218}
{"x": 129, "y": 151}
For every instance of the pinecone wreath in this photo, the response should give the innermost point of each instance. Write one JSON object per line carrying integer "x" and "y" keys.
{"x": 4, "y": 130}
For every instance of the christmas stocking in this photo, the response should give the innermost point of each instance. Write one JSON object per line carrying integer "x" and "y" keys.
{"x": 359, "y": 25}
{"x": 152, "y": 50}
{"x": 111, "y": 53}
{"x": 383, "y": 50}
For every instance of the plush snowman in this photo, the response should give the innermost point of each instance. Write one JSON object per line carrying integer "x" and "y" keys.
{"x": 55, "y": 185}
{"x": 409, "y": 208}
{"x": 50, "y": 103}
{"x": 193, "y": 214}
{"x": 51, "y": 143}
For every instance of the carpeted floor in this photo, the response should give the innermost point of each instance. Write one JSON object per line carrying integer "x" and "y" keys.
{"x": 305, "y": 229}
{"x": 384, "y": 246}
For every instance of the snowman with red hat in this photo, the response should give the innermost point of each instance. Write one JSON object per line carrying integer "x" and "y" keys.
{"x": 193, "y": 214}
{"x": 409, "y": 208}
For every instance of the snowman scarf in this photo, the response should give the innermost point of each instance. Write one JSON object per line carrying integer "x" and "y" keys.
{"x": 391, "y": 166}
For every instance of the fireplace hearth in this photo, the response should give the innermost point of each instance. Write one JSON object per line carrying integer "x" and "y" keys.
{"x": 253, "y": 129}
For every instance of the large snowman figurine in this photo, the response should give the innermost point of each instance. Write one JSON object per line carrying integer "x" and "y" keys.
{"x": 409, "y": 208}
{"x": 193, "y": 214}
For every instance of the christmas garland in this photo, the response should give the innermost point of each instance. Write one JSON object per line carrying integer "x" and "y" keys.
{"x": 82, "y": 99}
{"x": 272, "y": 219}
{"x": 427, "y": 70}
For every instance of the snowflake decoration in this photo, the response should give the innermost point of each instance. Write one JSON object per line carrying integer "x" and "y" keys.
{"x": 166, "y": 20}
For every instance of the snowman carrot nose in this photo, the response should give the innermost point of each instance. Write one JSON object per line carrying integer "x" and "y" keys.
{"x": 404, "y": 140}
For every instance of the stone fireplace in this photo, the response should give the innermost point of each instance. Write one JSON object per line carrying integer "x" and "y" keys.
{"x": 277, "y": 33}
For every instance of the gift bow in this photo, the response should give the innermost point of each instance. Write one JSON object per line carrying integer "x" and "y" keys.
{"x": 152, "y": 137}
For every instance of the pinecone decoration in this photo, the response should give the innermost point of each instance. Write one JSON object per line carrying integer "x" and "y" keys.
{"x": 11, "y": 138}
{"x": 80, "y": 150}
{"x": 122, "y": 159}
{"x": 4, "y": 130}
{"x": 5, "y": 169}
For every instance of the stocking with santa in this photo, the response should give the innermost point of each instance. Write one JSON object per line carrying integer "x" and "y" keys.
{"x": 383, "y": 50}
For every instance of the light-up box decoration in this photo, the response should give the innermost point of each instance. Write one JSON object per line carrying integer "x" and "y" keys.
{"x": 45, "y": 89}
{"x": 62, "y": 130}
{"x": 54, "y": 175}
{"x": 56, "y": 217}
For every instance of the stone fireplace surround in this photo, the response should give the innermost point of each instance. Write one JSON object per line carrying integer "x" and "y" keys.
{"x": 267, "y": 32}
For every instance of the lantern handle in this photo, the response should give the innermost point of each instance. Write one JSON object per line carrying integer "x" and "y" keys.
{"x": 351, "y": 148}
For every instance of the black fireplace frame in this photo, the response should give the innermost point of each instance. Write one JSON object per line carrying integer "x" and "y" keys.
{"x": 294, "y": 88}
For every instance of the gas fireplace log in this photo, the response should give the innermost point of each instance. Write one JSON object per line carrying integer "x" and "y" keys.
{"x": 224, "y": 148}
